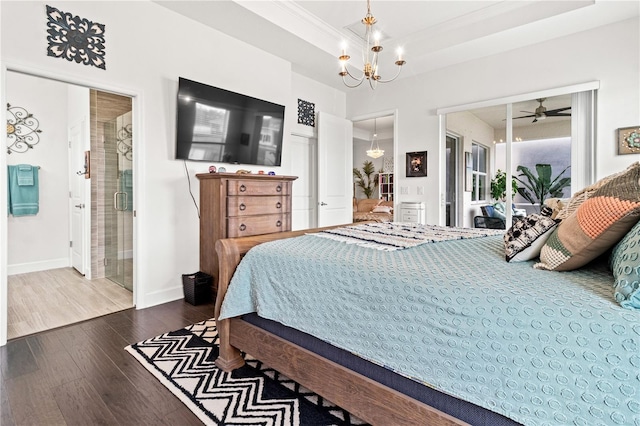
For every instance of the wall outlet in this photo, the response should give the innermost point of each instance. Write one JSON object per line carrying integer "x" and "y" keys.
{"x": 421, "y": 190}
{"x": 404, "y": 190}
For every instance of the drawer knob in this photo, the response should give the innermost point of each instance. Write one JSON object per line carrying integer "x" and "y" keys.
{"x": 242, "y": 207}
{"x": 279, "y": 223}
{"x": 243, "y": 226}
{"x": 243, "y": 188}
{"x": 278, "y": 205}
{"x": 279, "y": 188}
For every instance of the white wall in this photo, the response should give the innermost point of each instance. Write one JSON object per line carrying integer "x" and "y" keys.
{"x": 302, "y": 156}
{"x": 598, "y": 54}
{"x": 147, "y": 48}
{"x": 145, "y": 58}
{"x": 42, "y": 241}
{"x": 325, "y": 98}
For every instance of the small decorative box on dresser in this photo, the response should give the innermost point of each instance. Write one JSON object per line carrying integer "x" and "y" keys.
{"x": 240, "y": 205}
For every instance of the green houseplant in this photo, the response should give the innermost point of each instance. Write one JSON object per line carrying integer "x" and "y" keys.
{"x": 540, "y": 186}
{"x": 367, "y": 178}
{"x": 499, "y": 186}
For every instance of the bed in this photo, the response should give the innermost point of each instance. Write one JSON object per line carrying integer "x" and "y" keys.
{"x": 447, "y": 331}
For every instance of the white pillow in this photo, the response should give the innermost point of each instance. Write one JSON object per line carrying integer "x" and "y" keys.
{"x": 381, "y": 209}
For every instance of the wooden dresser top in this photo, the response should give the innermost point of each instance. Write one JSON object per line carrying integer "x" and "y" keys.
{"x": 202, "y": 176}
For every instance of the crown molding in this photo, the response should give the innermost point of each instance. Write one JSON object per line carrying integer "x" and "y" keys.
{"x": 298, "y": 21}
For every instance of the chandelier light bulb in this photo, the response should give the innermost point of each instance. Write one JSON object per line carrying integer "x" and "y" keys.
{"x": 376, "y": 38}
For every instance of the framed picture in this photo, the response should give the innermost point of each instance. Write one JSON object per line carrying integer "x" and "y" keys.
{"x": 468, "y": 172}
{"x": 416, "y": 164}
{"x": 629, "y": 140}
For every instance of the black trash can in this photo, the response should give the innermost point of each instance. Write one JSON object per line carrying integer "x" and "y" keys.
{"x": 197, "y": 288}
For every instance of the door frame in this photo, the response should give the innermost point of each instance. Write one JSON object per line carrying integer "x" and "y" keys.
{"x": 396, "y": 164}
{"x": 457, "y": 180}
{"x": 138, "y": 178}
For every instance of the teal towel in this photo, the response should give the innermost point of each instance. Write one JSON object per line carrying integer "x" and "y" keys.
{"x": 127, "y": 176}
{"x": 25, "y": 175}
{"x": 23, "y": 200}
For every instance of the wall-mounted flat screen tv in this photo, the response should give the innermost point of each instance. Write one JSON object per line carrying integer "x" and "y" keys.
{"x": 216, "y": 125}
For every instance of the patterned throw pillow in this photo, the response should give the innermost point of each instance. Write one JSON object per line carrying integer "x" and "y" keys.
{"x": 596, "y": 225}
{"x": 524, "y": 240}
{"x": 584, "y": 194}
{"x": 625, "y": 263}
{"x": 556, "y": 205}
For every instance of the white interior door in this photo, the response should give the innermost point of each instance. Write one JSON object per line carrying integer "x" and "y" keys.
{"x": 304, "y": 199}
{"x": 335, "y": 170}
{"x": 77, "y": 197}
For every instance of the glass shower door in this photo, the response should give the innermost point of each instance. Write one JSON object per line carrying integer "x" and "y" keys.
{"x": 119, "y": 201}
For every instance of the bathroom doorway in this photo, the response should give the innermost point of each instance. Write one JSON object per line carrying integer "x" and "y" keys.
{"x": 45, "y": 287}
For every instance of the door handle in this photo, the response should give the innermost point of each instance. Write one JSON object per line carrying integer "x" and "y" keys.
{"x": 322, "y": 203}
{"x": 80, "y": 206}
{"x": 115, "y": 201}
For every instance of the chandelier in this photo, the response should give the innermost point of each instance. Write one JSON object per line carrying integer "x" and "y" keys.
{"x": 370, "y": 55}
{"x": 377, "y": 152}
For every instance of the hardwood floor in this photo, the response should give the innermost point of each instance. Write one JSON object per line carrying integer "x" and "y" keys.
{"x": 81, "y": 375}
{"x": 44, "y": 300}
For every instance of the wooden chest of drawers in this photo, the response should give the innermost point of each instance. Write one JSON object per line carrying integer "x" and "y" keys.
{"x": 235, "y": 205}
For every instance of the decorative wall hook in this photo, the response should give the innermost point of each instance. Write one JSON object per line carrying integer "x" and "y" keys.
{"x": 22, "y": 130}
{"x": 124, "y": 138}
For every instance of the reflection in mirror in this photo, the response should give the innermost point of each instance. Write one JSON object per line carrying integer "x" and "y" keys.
{"x": 380, "y": 131}
{"x": 541, "y": 130}
{"x": 471, "y": 179}
{"x": 542, "y": 136}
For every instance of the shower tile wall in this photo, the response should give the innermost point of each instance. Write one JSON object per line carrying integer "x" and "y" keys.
{"x": 105, "y": 107}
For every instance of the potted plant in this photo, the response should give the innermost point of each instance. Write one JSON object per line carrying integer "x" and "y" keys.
{"x": 541, "y": 186}
{"x": 499, "y": 186}
{"x": 367, "y": 178}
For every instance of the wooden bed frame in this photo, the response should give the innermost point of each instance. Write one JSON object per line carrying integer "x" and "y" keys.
{"x": 360, "y": 395}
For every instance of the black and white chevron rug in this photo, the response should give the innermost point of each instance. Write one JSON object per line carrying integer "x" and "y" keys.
{"x": 183, "y": 361}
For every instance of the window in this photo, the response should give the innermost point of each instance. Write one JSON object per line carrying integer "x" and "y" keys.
{"x": 479, "y": 190}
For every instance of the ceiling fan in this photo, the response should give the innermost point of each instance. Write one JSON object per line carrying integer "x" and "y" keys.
{"x": 541, "y": 112}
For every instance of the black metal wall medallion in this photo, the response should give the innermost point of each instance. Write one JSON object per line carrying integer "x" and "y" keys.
{"x": 306, "y": 113}
{"x": 75, "y": 39}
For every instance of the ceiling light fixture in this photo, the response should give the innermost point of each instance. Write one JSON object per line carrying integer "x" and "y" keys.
{"x": 370, "y": 71}
{"x": 377, "y": 152}
{"x": 541, "y": 112}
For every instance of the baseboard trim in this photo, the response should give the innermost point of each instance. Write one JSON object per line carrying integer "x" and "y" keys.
{"x": 24, "y": 268}
{"x": 159, "y": 297}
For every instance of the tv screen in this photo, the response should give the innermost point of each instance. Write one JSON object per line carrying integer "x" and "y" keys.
{"x": 216, "y": 125}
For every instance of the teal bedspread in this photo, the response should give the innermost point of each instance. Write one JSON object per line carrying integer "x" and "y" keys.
{"x": 540, "y": 347}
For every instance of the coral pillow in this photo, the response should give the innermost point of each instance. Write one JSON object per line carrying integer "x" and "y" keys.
{"x": 596, "y": 225}
{"x": 581, "y": 196}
